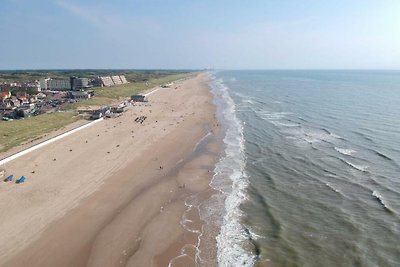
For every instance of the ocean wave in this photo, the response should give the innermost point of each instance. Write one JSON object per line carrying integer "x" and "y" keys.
{"x": 326, "y": 131}
{"x": 315, "y": 136}
{"x": 249, "y": 101}
{"x": 332, "y": 188}
{"x": 302, "y": 119}
{"x": 304, "y": 134}
{"x": 379, "y": 198}
{"x": 272, "y": 116}
{"x": 380, "y": 154}
{"x": 345, "y": 151}
{"x": 233, "y": 236}
{"x": 356, "y": 167}
{"x": 364, "y": 136}
{"x": 336, "y": 136}
{"x": 283, "y": 124}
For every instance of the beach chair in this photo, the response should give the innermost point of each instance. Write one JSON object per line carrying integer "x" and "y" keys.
{"x": 21, "y": 180}
{"x": 9, "y": 178}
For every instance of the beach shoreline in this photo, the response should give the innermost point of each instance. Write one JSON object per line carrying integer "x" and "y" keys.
{"x": 115, "y": 193}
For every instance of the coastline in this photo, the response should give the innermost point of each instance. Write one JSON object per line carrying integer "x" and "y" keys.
{"x": 127, "y": 184}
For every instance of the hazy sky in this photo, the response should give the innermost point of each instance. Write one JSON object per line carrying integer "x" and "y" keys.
{"x": 234, "y": 34}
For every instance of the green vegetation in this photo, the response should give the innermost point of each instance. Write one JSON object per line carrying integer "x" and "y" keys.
{"x": 131, "y": 75}
{"x": 104, "y": 96}
{"x": 17, "y": 132}
{"x": 95, "y": 101}
{"x": 127, "y": 90}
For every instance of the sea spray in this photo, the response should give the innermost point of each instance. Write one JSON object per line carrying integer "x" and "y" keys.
{"x": 231, "y": 180}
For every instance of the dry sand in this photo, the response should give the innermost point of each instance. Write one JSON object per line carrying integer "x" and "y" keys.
{"x": 114, "y": 194}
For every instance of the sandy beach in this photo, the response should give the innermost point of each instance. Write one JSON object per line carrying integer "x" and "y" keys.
{"x": 113, "y": 194}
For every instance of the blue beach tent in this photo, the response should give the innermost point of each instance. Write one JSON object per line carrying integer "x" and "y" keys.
{"x": 21, "y": 180}
{"x": 9, "y": 178}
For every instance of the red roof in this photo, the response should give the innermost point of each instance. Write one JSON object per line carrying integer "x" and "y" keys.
{"x": 5, "y": 94}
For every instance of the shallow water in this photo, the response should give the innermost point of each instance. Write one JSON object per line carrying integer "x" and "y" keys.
{"x": 310, "y": 175}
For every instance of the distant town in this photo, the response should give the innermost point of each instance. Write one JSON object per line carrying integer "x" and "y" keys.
{"x": 25, "y": 99}
{"x": 26, "y": 94}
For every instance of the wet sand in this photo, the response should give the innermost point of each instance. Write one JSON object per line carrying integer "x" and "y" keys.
{"x": 114, "y": 194}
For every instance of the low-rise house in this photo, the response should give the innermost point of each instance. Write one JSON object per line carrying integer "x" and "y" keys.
{"x": 22, "y": 113}
{"x": 23, "y": 100}
{"x": 138, "y": 98}
{"x": 79, "y": 95}
{"x": 4, "y": 95}
{"x": 15, "y": 102}
{"x": 4, "y": 100}
{"x": 104, "y": 111}
{"x": 32, "y": 99}
{"x": 118, "y": 109}
{"x": 27, "y": 106}
{"x": 40, "y": 96}
{"x": 20, "y": 93}
{"x": 5, "y": 104}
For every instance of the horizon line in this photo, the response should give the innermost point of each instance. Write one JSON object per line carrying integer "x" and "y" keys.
{"x": 205, "y": 69}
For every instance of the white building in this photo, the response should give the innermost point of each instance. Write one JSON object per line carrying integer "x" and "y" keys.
{"x": 43, "y": 83}
{"x": 106, "y": 81}
{"x": 57, "y": 85}
{"x": 116, "y": 80}
{"x": 123, "y": 79}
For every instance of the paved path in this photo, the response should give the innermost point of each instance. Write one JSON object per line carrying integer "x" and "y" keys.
{"x": 58, "y": 137}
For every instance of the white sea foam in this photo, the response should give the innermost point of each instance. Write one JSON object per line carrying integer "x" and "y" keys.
{"x": 284, "y": 124}
{"x": 357, "y": 167}
{"x": 232, "y": 236}
{"x": 345, "y": 151}
{"x": 272, "y": 116}
{"x": 336, "y": 136}
{"x": 249, "y": 101}
{"x": 379, "y": 197}
{"x": 332, "y": 188}
{"x": 306, "y": 135}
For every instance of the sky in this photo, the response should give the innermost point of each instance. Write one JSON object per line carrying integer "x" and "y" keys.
{"x": 196, "y": 34}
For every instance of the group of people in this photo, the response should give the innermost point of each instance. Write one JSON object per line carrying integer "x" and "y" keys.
{"x": 140, "y": 119}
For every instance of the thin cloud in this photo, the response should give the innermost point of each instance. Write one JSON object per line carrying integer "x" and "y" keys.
{"x": 96, "y": 18}
{"x": 107, "y": 21}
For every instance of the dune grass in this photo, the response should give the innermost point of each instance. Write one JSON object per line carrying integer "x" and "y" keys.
{"x": 17, "y": 132}
{"x": 129, "y": 89}
{"x": 104, "y": 96}
{"x": 95, "y": 101}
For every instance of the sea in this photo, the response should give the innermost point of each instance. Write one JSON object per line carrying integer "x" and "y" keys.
{"x": 310, "y": 172}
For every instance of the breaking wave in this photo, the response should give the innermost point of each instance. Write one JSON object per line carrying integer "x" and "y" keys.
{"x": 345, "y": 151}
{"x": 379, "y": 198}
{"x": 233, "y": 236}
{"x": 356, "y": 167}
